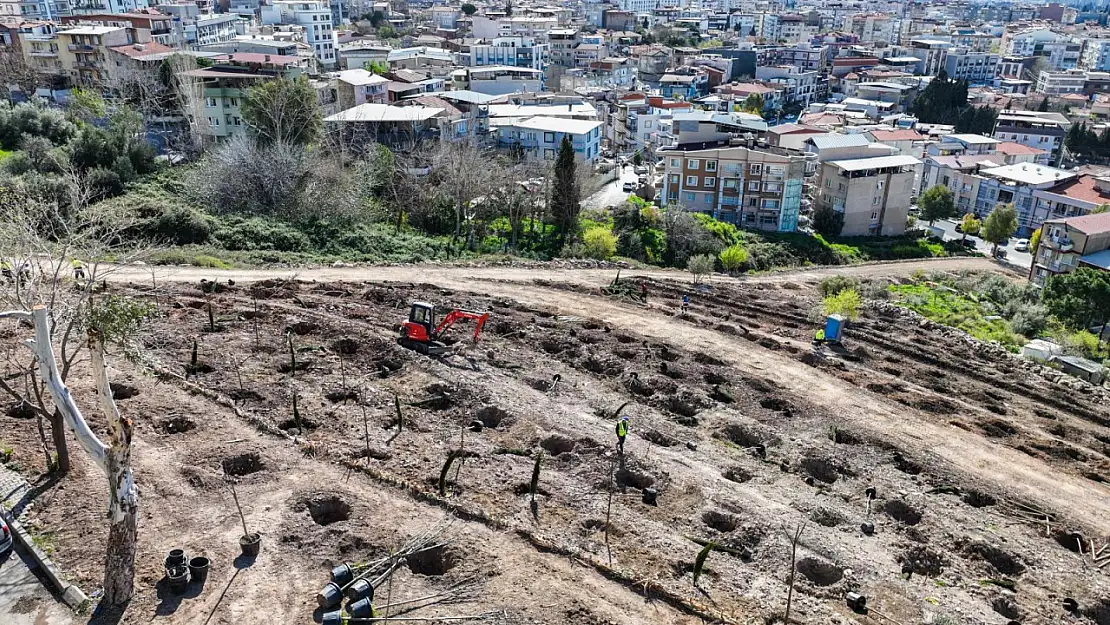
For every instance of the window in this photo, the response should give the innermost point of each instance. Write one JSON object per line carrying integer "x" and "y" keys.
{"x": 690, "y": 197}
{"x": 691, "y": 181}
{"x": 675, "y": 178}
{"x": 234, "y": 101}
{"x": 210, "y": 102}
{"x": 549, "y": 154}
{"x": 710, "y": 165}
{"x": 692, "y": 163}
{"x": 874, "y": 216}
{"x": 238, "y": 121}
{"x": 753, "y": 185}
{"x": 753, "y": 202}
{"x": 708, "y": 199}
{"x": 730, "y": 183}
{"x": 756, "y": 168}
{"x": 874, "y": 201}
{"x": 647, "y": 123}
{"x": 676, "y": 162}
{"x": 710, "y": 181}
{"x": 549, "y": 137}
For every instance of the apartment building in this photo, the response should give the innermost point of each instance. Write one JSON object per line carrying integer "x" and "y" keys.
{"x": 316, "y": 19}
{"x": 205, "y": 30}
{"x": 539, "y": 138}
{"x": 1069, "y": 243}
{"x": 158, "y": 26}
{"x": 83, "y": 52}
{"x": 512, "y": 51}
{"x": 1056, "y": 84}
{"x": 40, "y": 45}
{"x": 799, "y": 85}
{"x": 95, "y": 7}
{"x": 561, "y": 42}
{"x": 974, "y": 67}
{"x": 225, "y": 86}
{"x": 1095, "y": 55}
{"x": 1060, "y": 52}
{"x": 872, "y": 27}
{"x": 932, "y": 53}
{"x": 1016, "y": 184}
{"x": 358, "y": 86}
{"x": 757, "y": 187}
{"x": 1044, "y": 131}
{"x": 497, "y": 79}
{"x": 958, "y": 172}
{"x": 872, "y": 192}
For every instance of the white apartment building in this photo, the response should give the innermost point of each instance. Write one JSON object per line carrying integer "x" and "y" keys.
{"x": 315, "y": 17}
{"x": 514, "y": 51}
{"x": 872, "y": 27}
{"x": 213, "y": 28}
{"x": 1061, "y": 83}
{"x": 1096, "y": 55}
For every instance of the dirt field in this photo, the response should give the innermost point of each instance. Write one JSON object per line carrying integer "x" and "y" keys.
{"x": 743, "y": 429}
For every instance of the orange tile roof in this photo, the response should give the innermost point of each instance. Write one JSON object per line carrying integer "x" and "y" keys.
{"x": 1082, "y": 188}
{"x": 900, "y": 134}
{"x": 142, "y": 49}
{"x": 1014, "y": 148}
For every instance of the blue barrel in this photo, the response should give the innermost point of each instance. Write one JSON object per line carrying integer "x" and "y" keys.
{"x": 330, "y": 596}
{"x": 834, "y": 324}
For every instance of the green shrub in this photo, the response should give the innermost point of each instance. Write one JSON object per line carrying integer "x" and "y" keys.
{"x": 599, "y": 243}
{"x": 203, "y": 260}
{"x": 733, "y": 257}
{"x": 256, "y": 233}
{"x": 836, "y": 284}
{"x": 845, "y": 303}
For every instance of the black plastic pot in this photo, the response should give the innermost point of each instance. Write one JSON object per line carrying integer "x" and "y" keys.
{"x": 332, "y": 618}
{"x": 649, "y": 496}
{"x": 250, "y": 544}
{"x": 360, "y": 589}
{"x": 198, "y": 569}
{"x": 175, "y": 558}
{"x": 178, "y": 578}
{"x": 329, "y": 596}
{"x": 342, "y": 574}
{"x": 363, "y": 608}
{"x": 856, "y": 601}
{"x": 867, "y": 528}
{"x": 871, "y": 492}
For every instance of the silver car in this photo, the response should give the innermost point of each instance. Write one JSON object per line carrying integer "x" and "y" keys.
{"x": 5, "y": 539}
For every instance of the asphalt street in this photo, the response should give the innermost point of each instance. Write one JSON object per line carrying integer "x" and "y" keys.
{"x": 1024, "y": 260}
{"x": 612, "y": 194}
{"x": 24, "y": 599}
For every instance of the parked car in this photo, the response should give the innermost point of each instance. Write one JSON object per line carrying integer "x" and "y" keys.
{"x": 628, "y": 186}
{"x": 5, "y": 539}
{"x": 960, "y": 228}
{"x": 641, "y": 169}
{"x": 1022, "y": 245}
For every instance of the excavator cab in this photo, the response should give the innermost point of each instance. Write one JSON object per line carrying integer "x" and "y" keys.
{"x": 421, "y": 333}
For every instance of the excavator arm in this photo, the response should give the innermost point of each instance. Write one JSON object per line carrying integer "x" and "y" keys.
{"x": 450, "y": 318}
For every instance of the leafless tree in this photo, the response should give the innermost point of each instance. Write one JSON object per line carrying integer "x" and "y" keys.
{"x": 463, "y": 173}
{"x": 15, "y": 71}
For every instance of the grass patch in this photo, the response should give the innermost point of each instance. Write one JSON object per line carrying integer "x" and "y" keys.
{"x": 952, "y": 308}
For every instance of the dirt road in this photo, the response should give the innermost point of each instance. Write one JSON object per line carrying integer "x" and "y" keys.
{"x": 436, "y": 274}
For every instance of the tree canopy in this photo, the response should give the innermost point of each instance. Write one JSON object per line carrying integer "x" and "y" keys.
{"x": 565, "y": 201}
{"x": 1079, "y": 299}
{"x": 469, "y": 9}
{"x": 944, "y": 101}
{"x": 827, "y": 221}
{"x": 936, "y": 203}
{"x": 1000, "y": 225}
{"x": 282, "y": 111}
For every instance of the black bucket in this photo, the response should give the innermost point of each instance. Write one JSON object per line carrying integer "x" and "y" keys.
{"x": 867, "y": 528}
{"x": 330, "y": 596}
{"x": 363, "y": 608}
{"x": 175, "y": 558}
{"x": 342, "y": 574}
{"x": 360, "y": 589}
{"x": 649, "y": 496}
{"x": 198, "y": 569}
{"x": 250, "y": 544}
{"x": 178, "y": 578}
{"x": 332, "y": 618}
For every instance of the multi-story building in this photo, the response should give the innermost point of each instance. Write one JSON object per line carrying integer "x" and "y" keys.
{"x": 799, "y": 85}
{"x": 872, "y": 192}
{"x": 958, "y": 172}
{"x": 1069, "y": 243}
{"x": 933, "y": 54}
{"x": 225, "y": 86}
{"x": 83, "y": 52}
{"x": 205, "y": 30}
{"x": 158, "y": 26}
{"x": 498, "y": 79}
{"x": 512, "y": 51}
{"x": 1044, "y": 131}
{"x": 1016, "y": 184}
{"x": 358, "y": 86}
{"x": 315, "y": 17}
{"x": 539, "y": 138}
{"x": 873, "y": 27}
{"x": 40, "y": 45}
{"x": 561, "y": 42}
{"x": 1059, "y": 50}
{"x": 974, "y": 67}
{"x": 1096, "y": 55}
{"x": 99, "y": 7}
{"x": 1056, "y": 84}
{"x": 758, "y": 187}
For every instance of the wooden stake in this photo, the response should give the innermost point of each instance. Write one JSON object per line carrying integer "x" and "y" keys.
{"x": 242, "y": 518}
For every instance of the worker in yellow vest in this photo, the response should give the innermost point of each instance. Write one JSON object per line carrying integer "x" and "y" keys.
{"x": 622, "y": 432}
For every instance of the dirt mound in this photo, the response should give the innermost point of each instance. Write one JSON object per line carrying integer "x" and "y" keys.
{"x": 977, "y": 499}
{"x": 557, "y": 444}
{"x": 922, "y": 561}
{"x": 720, "y": 521}
{"x": 346, "y": 346}
{"x": 493, "y": 416}
{"x": 737, "y": 474}
{"x": 826, "y": 518}
{"x": 820, "y": 572}
{"x": 123, "y": 391}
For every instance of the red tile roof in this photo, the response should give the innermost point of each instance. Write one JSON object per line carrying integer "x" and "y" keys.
{"x": 430, "y": 100}
{"x": 142, "y": 49}
{"x": 900, "y": 134}
{"x": 1013, "y": 148}
{"x": 1089, "y": 224}
{"x": 1082, "y": 188}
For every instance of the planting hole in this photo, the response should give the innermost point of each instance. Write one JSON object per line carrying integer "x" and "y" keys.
{"x": 712, "y": 377}
{"x": 434, "y": 561}
{"x": 123, "y": 391}
{"x": 820, "y": 469}
{"x": 998, "y": 428}
{"x": 820, "y": 572}
{"x": 635, "y": 479}
{"x": 976, "y": 499}
{"x": 826, "y": 518}
{"x": 493, "y": 416}
{"x": 589, "y": 526}
{"x": 720, "y": 521}
{"x": 905, "y": 465}
{"x": 737, "y": 474}
{"x": 1072, "y": 541}
{"x": 1002, "y": 561}
{"x": 347, "y": 347}
{"x": 776, "y": 404}
{"x": 659, "y": 438}
{"x": 292, "y": 427}
{"x": 922, "y": 561}
{"x": 243, "y": 464}
{"x": 20, "y": 410}
{"x": 1006, "y": 607}
{"x": 339, "y": 395}
{"x": 556, "y": 444}
{"x": 328, "y": 509}
{"x": 176, "y": 425}
{"x": 302, "y": 328}
{"x": 746, "y": 436}
{"x": 902, "y": 512}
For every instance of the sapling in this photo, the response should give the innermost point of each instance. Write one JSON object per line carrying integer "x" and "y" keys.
{"x": 534, "y": 485}
{"x": 609, "y": 508}
{"x": 699, "y": 562}
{"x": 793, "y": 568}
{"x": 400, "y": 420}
{"x": 454, "y": 453}
{"x": 366, "y": 431}
{"x": 292, "y": 356}
{"x": 211, "y": 317}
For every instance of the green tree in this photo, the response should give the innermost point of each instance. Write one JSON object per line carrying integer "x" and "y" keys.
{"x": 754, "y": 104}
{"x": 599, "y": 243}
{"x": 970, "y": 225}
{"x": 565, "y": 201}
{"x": 936, "y": 203}
{"x": 1043, "y": 106}
{"x": 733, "y": 257}
{"x": 381, "y": 68}
{"x": 86, "y": 105}
{"x": 387, "y": 31}
{"x": 637, "y": 160}
{"x": 1000, "y": 225}
{"x": 1101, "y": 208}
{"x": 282, "y": 111}
{"x": 469, "y": 9}
{"x": 1079, "y": 299}
{"x": 1035, "y": 241}
{"x": 827, "y": 221}
{"x": 845, "y": 303}
{"x": 700, "y": 265}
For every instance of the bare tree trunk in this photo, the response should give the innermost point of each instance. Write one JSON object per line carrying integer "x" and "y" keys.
{"x": 61, "y": 447}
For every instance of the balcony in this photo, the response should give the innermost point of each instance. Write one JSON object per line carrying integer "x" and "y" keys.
{"x": 44, "y": 53}
{"x": 1063, "y": 244}
{"x": 81, "y": 47}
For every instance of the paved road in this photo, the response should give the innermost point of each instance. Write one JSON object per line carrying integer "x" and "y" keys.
{"x": 1022, "y": 260}
{"x": 24, "y": 599}
{"x": 611, "y": 194}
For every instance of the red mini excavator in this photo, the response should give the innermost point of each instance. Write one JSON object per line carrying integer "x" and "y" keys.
{"x": 421, "y": 333}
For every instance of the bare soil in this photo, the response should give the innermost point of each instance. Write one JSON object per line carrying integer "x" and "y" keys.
{"x": 742, "y": 428}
